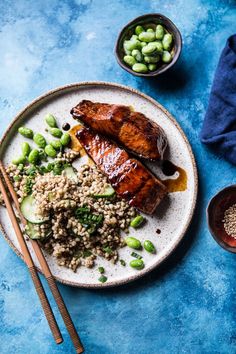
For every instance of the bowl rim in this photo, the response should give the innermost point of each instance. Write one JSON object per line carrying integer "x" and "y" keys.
{"x": 223, "y": 244}
{"x": 158, "y": 71}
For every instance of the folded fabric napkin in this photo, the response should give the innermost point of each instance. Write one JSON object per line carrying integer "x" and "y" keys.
{"x": 219, "y": 127}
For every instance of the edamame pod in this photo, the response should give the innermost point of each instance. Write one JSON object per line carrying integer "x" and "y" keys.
{"x": 160, "y": 32}
{"x": 147, "y": 36}
{"x": 137, "y": 221}
{"x": 28, "y": 133}
{"x": 133, "y": 44}
{"x": 138, "y": 30}
{"x": 25, "y": 148}
{"x": 150, "y": 30}
{"x": 166, "y": 57}
{"x": 33, "y": 156}
{"x": 65, "y": 139}
{"x": 132, "y": 242}
{"x": 159, "y": 47}
{"x": 137, "y": 55}
{"x": 152, "y": 67}
{"x": 134, "y": 37}
{"x": 167, "y": 41}
{"x": 151, "y": 59}
{"x": 56, "y": 144}
{"x": 50, "y": 151}
{"x": 39, "y": 140}
{"x": 137, "y": 264}
{"x": 19, "y": 160}
{"x": 143, "y": 44}
{"x": 128, "y": 59}
{"x": 149, "y": 49}
{"x": 55, "y": 132}
{"x": 149, "y": 246}
{"x": 140, "y": 68}
{"x": 51, "y": 121}
{"x": 127, "y": 52}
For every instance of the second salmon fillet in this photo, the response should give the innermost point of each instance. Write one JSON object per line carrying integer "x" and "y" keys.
{"x": 130, "y": 179}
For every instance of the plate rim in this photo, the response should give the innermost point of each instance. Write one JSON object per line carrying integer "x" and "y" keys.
{"x": 78, "y": 85}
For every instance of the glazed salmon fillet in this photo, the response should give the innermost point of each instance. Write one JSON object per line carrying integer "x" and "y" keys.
{"x": 130, "y": 179}
{"x": 133, "y": 130}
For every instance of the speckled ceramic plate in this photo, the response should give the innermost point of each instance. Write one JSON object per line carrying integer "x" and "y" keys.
{"x": 172, "y": 217}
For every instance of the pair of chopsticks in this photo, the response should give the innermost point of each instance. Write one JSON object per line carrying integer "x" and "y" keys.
{"x": 33, "y": 271}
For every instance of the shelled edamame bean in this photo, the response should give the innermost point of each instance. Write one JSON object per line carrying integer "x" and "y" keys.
{"x": 133, "y": 242}
{"x": 149, "y": 246}
{"x": 25, "y": 148}
{"x": 56, "y": 144}
{"x": 147, "y": 48}
{"x": 51, "y": 121}
{"x": 40, "y": 140}
{"x": 34, "y": 157}
{"x": 65, "y": 139}
{"x": 137, "y": 264}
{"x": 50, "y": 151}
{"x": 55, "y": 132}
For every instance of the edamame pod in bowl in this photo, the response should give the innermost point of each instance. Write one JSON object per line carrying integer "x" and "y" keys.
{"x": 148, "y": 36}
{"x": 167, "y": 41}
{"x": 130, "y": 60}
{"x": 140, "y": 68}
{"x": 137, "y": 55}
{"x": 149, "y": 49}
{"x": 160, "y": 32}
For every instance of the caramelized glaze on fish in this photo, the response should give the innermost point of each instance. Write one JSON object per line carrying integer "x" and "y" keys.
{"x": 131, "y": 180}
{"x": 133, "y": 130}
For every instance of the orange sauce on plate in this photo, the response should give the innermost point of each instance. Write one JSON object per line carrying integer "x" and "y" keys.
{"x": 178, "y": 184}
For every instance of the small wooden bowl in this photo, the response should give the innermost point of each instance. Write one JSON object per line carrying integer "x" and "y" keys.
{"x": 215, "y": 214}
{"x": 149, "y": 20}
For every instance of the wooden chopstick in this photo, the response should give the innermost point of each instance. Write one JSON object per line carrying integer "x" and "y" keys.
{"x": 47, "y": 272}
{"x": 33, "y": 271}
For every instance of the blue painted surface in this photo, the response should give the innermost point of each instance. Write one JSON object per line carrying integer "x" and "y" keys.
{"x": 186, "y": 306}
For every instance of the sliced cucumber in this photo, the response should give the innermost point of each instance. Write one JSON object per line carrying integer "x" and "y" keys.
{"x": 70, "y": 173}
{"x": 29, "y": 210}
{"x": 32, "y": 231}
{"x": 109, "y": 192}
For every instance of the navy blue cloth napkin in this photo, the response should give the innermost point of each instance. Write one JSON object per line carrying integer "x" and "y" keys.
{"x": 219, "y": 127}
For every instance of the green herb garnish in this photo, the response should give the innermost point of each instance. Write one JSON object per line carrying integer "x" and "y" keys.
{"x": 42, "y": 170}
{"x": 42, "y": 155}
{"x": 17, "y": 178}
{"x": 136, "y": 255}
{"x": 31, "y": 171}
{"x": 101, "y": 270}
{"x": 86, "y": 254}
{"x": 20, "y": 167}
{"x": 89, "y": 220}
{"x": 102, "y": 279}
{"x": 122, "y": 262}
{"x": 107, "y": 250}
{"x": 29, "y": 185}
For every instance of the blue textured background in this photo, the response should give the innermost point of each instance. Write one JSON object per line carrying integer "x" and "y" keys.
{"x": 187, "y": 305}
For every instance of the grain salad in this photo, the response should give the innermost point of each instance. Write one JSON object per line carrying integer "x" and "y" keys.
{"x": 65, "y": 201}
